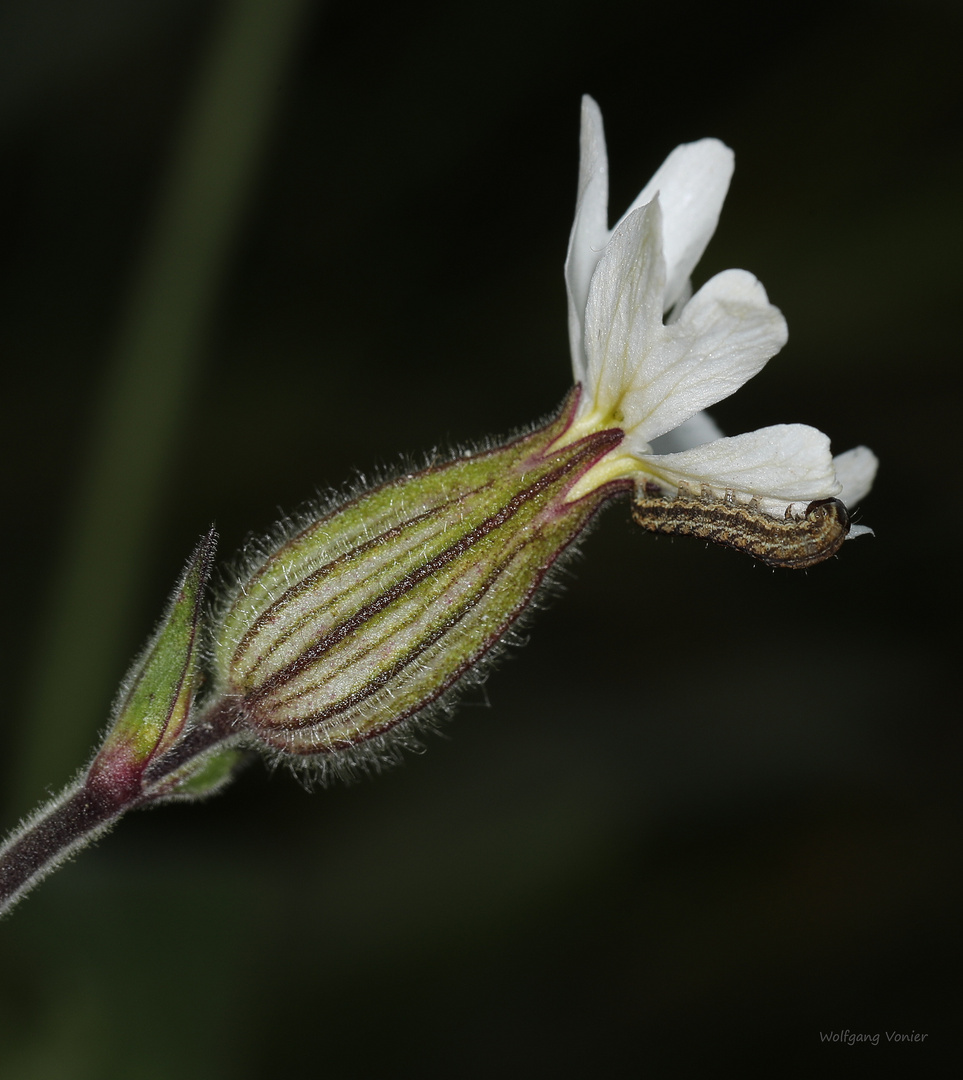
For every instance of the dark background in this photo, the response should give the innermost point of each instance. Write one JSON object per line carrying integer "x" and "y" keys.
{"x": 710, "y": 810}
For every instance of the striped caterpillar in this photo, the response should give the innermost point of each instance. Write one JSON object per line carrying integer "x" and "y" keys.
{"x": 794, "y": 543}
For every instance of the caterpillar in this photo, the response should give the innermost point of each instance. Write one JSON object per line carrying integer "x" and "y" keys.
{"x": 793, "y": 543}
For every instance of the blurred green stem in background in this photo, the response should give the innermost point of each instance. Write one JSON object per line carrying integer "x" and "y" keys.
{"x": 145, "y": 400}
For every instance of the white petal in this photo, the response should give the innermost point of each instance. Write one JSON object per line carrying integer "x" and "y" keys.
{"x": 856, "y": 531}
{"x": 786, "y": 463}
{"x": 856, "y": 471}
{"x": 623, "y": 317}
{"x": 725, "y": 335}
{"x": 691, "y": 183}
{"x": 696, "y": 431}
{"x": 590, "y": 231}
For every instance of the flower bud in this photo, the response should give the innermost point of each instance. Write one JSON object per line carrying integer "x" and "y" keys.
{"x": 156, "y": 699}
{"x": 371, "y": 613}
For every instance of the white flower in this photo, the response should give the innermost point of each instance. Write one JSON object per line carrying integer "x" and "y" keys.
{"x": 652, "y": 375}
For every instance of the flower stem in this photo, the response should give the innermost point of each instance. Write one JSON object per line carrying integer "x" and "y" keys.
{"x": 72, "y": 821}
{"x": 89, "y": 807}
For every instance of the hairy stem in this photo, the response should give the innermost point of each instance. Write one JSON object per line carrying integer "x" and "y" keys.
{"x": 72, "y": 821}
{"x": 88, "y": 808}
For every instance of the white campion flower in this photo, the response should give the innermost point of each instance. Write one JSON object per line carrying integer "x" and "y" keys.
{"x": 650, "y": 356}
{"x": 350, "y": 627}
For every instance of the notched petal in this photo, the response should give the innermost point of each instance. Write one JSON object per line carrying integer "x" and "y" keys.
{"x": 623, "y": 318}
{"x": 691, "y": 184}
{"x": 778, "y": 465}
{"x": 726, "y": 334}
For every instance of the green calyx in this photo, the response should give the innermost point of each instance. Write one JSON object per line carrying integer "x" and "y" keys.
{"x": 372, "y": 612}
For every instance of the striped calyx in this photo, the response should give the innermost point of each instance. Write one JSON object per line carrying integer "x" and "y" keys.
{"x": 372, "y": 612}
